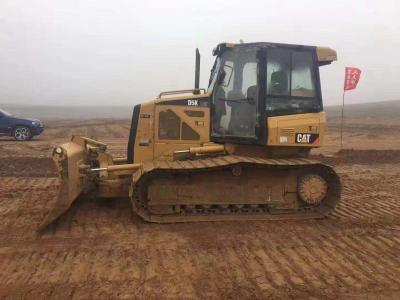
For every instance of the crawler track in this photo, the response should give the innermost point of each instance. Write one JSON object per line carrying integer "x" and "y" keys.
{"x": 265, "y": 191}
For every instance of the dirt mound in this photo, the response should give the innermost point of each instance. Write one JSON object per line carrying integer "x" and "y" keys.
{"x": 352, "y": 156}
{"x": 27, "y": 167}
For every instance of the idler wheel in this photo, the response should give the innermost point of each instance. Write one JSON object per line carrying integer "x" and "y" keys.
{"x": 312, "y": 188}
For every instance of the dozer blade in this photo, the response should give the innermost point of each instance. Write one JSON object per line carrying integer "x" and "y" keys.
{"x": 69, "y": 158}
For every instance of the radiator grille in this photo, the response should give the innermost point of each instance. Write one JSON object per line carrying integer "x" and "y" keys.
{"x": 287, "y": 131}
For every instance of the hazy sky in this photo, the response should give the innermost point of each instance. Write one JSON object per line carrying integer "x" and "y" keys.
{"x": 122, "y": 52}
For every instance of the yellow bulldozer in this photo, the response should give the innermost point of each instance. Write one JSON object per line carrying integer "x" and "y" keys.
{"x": 237, "y": 150}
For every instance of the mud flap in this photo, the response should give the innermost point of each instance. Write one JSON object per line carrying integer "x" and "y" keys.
{"x": 68, "y": 157}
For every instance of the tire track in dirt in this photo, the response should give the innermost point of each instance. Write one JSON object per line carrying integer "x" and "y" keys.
{"x": 116, "y": 131}
{"x": 23, "y": 201}
{"x": 63, "y": 132}
{"x": 27, "y": 166}
{"x": 99, "y": 249}
{"x": 97, "y": 264}
{"x": 362, "y": 157}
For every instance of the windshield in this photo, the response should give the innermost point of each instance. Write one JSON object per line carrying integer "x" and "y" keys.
{"x": 4, "y": 113}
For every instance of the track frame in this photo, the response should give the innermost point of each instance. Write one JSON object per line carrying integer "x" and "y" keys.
{"x": 139, "y": 188}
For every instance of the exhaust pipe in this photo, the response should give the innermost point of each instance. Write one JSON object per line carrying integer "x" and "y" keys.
{"x": 197, "y": 73}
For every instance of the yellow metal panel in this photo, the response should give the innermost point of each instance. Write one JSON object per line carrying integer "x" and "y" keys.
{"x": 181, "y": 97}
{"x": 283, "y": 129}
{"x": 326, "y": 54}
{"x": 163, "y": 148}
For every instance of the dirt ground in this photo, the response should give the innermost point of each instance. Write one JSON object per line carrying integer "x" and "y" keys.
{"x": 100, "y": 249}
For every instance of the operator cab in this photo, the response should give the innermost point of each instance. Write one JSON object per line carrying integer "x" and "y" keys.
{"x": 254, "y": 81}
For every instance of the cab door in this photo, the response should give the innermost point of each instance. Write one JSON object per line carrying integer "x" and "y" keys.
{"x": 236, "y": 112}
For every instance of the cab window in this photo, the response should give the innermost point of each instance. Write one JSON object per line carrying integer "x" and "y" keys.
{"x": 291, "y": 82}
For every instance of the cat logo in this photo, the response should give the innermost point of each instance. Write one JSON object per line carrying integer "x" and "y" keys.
{"x": 306, "y": 138}
{"x": 193, "y": 102}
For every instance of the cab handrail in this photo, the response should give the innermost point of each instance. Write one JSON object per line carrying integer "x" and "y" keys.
{"x": 192, "y": 91}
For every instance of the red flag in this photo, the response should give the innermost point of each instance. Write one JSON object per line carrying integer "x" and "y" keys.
{"x": 352, "y": 76}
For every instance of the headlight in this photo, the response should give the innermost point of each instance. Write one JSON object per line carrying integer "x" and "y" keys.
{"x": 34, "y": 123}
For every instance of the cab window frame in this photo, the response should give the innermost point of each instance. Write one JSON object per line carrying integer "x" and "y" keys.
{"x": 317, "y": 98}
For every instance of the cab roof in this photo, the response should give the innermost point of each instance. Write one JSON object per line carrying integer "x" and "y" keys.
{"x": 325, "y": 55}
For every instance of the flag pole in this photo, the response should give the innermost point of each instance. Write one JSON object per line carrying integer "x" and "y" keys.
{"x": 341, "y": 123}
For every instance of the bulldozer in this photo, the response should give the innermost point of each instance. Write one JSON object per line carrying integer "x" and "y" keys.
{"x": 238, "y": 150}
